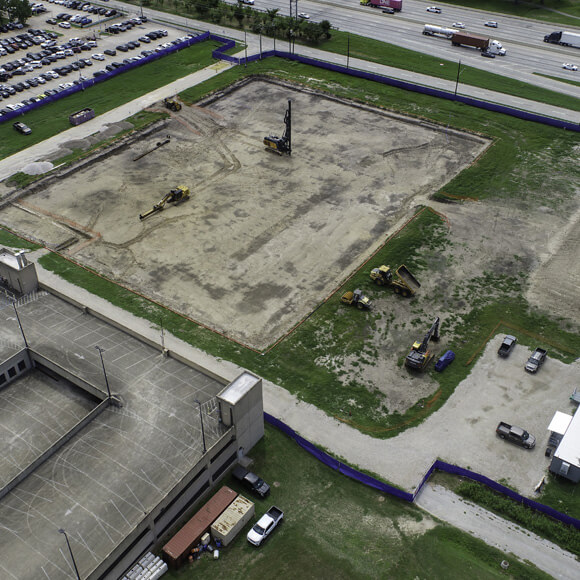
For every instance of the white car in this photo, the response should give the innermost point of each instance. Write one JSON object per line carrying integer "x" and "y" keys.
{"x": 98, "y": 56}
{"x": 64, "y": 24}
{"x": 491, "y": 23}
{"x": 458, "y": 25}
{"x": 303, "y": 15}
{"x": 569, "y": 66}
{"x": 434, "y": 9}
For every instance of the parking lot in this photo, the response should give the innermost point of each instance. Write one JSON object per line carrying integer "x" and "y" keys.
{"x": 50, "y": 55}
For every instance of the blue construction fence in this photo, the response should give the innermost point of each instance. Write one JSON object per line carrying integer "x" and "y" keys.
{"x": 496, "y": 108}
{"x": 370, "y": 481}
{"x": 227, "y": 44}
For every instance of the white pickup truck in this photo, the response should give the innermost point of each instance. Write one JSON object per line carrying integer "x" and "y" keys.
{"x": 265, "y": 526}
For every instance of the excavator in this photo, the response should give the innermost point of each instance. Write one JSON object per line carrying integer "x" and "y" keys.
{"x": 282, "y": 144}
{"x": 356, "y": 298}
{"x": 420, "y": 355}
{"x": 172, "y": 104}
{"x": 176, "y": 196}
{"x": 403, "y": 282}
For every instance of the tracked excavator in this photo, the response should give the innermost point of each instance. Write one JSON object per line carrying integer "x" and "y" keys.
{"x": 282, "y": 145}
{"x": 420, "y": 355}
{"x": 176, "y": 196}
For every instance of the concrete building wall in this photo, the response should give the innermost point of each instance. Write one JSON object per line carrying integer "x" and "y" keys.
{"x": 15, "y": 366}
{"x": 17, "y": 273}
{"x": 241, "y": 406}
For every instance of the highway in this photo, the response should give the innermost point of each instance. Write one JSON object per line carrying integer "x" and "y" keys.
{"x": 527, "y": 54}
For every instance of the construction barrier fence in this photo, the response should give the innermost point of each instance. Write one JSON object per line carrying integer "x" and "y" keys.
{"x": 437, "y": 465}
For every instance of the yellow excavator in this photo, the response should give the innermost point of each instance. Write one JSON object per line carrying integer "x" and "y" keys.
{"x": 282, "y": 145}
{"x": 176, "y": 196}
{"x": 172, "y": 104}
{"x": 402, "y": 281}
{"x": 420, "y": 355}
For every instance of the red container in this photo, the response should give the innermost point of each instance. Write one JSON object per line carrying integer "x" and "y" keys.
{"x": 175, "y": 552}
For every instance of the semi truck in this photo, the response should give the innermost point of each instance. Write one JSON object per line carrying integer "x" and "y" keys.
{"x": 432, "y": 30}
{"x": 482, "y": 43}
{"x": 396, "y": 5}
{"x": 564, "y": 38}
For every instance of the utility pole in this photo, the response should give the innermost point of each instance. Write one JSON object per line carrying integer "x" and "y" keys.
{"x": 71, "y": 553}
{"x": 457, "y": 81}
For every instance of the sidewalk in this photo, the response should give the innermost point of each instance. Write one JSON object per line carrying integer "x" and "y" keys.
{"x": 39, "y": 152}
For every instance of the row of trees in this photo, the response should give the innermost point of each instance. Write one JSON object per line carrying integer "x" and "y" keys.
{"x": 269, "y": 23}
{"x": 15, "y": 11}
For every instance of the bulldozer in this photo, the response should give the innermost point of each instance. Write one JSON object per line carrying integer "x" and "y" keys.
{"x": 172, "y": 104}
{"x": 420, "y": 355}
{"x": 282, "y": 145}
{"x": 402, "y": 281}
{"x": 356, "y": 298}
{"x": 176, "y": 196}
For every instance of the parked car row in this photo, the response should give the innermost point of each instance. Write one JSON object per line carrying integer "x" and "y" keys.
{"x": 25, "y": 40}
{"x": 126, "y": 25}
{"x": 11, "y": 26}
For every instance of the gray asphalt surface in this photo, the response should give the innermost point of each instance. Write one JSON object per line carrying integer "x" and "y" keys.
{"x": 495, "y": 531}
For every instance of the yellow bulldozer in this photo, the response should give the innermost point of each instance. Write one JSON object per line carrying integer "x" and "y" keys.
{"x": 176, "y": 196}
{"x": 402, "y": 281}
{"x": 172, "y": 104}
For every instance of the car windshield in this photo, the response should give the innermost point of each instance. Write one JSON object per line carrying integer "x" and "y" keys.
{"x": 525, "y": 435}
{"x": 258, "y": 529}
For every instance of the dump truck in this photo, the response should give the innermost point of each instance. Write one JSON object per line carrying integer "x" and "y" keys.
{"x": 482, "y": 43}
{"x": 563, "y": 38}
{"x": 176, "y": 196}
{"x": 515, "y": 435}
{"x": 420, "y": 355}
{"x": 356, "y": 298}
{"x": 536, "y": 360}
{"x": 432, "y": 30}
{"x": 265, "y": 526}
{"x": 402, "y": 281}
{"x": 396, "y": 5}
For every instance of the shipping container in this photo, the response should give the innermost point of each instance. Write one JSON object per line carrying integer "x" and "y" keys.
{"x": 176, "y": 551}
{"x": 81, "y": 116}
{"x": 233, "y": 520}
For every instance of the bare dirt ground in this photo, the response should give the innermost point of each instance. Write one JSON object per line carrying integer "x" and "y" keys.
{"x": 263, "y": 238}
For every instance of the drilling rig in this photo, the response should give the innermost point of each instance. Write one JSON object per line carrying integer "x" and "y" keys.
{"x": 282, "y": 145}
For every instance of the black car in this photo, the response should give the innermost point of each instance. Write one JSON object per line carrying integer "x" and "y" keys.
{"x": 110, "y": 52}
{"x": 22, "y": 128}
{"x": 251, "y": 481}
{"x": 122, "y": 48}
{"x": 487, "y": 54}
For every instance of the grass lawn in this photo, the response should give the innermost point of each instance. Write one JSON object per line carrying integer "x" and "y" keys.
{"x": 337, "y": 528}
{"x": 53, "y": 118}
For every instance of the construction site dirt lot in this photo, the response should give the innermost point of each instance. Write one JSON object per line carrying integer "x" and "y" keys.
{"x": 263, "y": 238}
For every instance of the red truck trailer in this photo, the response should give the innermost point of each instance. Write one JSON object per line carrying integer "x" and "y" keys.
{"x": 396, "y": 5}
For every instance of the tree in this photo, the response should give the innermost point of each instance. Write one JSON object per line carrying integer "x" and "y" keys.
{"x": 17, "y": 10}
{"x": 325, "y": 26}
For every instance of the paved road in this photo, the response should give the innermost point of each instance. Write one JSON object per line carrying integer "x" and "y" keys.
{"x": 497, "y": 532}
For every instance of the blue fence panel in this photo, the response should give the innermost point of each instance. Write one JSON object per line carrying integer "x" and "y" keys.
{"x": 449, "y": 468}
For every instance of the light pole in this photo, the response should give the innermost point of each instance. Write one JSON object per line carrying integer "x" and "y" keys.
{"x": 246, "y": 49}
{"x": 101, "y": 351}
{"x": 19, "y": 324}
{"x": 71, "y": 553}
{"x": 347, "y": 49}
{"x": 202, "y": 431}
{"x": 457, "y": 81}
